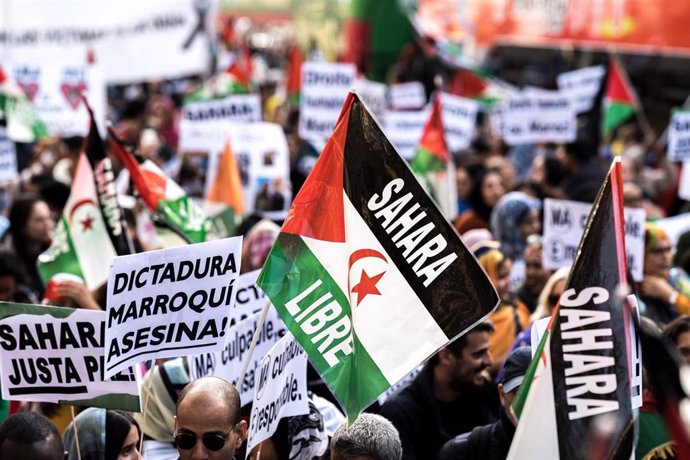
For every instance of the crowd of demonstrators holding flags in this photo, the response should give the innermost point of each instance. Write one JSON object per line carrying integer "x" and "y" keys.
{"x": 260, "y": 264}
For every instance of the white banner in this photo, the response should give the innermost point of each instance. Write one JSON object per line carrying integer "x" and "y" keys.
{"x": 459, "y": 120}
{"x": 684, "y": 182}
{"x": 537, "y": 116}
{"x": 131, "y": 39}
{"x": 57, "y": 356}
{"x": 407, "y": 96}
{"x": 55, "y": 90}
{"x": 324, "y": 90}
{"x": 281, "y": 391}
{"x": 227, "y": 363}
{"x": 204, "y": 125}
{"x": 679, "y": 136}
{"x": 8, "y": 158}
{"x": 404, "y": 129}
{"x": 249, "y": 299}
{"x": 582, "y": 85}
{"x": 171, "y": 302}
{"x": 564, "y": 223}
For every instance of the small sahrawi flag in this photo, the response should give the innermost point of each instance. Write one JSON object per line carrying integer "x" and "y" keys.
{"x": 580, "y": 369}
{"x": 366, "y": 273}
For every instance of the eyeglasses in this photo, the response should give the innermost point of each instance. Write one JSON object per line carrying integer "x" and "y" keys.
{"x": 187, "y": 441}
{"x": 660, "y": 251}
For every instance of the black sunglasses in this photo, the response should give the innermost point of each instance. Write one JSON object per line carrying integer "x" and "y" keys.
{"x": 187, "y": 441}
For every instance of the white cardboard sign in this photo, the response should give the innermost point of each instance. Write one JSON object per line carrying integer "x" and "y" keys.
{"x": 679, "y": 136}
{"x": 404, "y": 129}
{"x": 537, "y": 116}
{"x": 8, "y": 158}
{"x": 373, "y": 95}
{"x": 407, "y": 96}
{"x": 583, "y": 85}
{"x": 459, "y": 120}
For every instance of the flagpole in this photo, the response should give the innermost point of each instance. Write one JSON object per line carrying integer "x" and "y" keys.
{"x": 146, "y": 402}
{"x": 252, "y": 346}
{"x": 76, "y": 434}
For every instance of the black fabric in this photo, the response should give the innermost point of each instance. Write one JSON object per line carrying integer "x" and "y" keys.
{"x": 661, "y": 312}
{"x": 419, "y": 416}
{"x": 488, "y": 442}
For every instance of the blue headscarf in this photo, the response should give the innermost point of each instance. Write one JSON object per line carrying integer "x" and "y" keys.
{"x": 507, "y": 216}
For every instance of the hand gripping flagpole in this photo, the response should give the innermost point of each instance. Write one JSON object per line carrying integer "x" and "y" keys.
{"x": 252, "y": 346}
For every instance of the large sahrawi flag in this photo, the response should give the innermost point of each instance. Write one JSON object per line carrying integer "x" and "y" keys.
{"x": 366, "y": 273}
{"x": 580, "y": 370}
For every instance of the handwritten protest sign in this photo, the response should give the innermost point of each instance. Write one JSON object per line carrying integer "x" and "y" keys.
{"x": 564, "y": 222}
{"x": 55, "y": 354}
{"x": 404, "y": 129}
{"x": 459, "y": 120}
{"x": 8, "y": 158}
{"x": 407, "y": 96}
{"x": 281, "y": 390}
{"x": 203, "y": 125}
{"x": 168, "y": 303}
{"x": 679, "y": 136}
{"x": 538, "y": 116}
{"x": 249, "y": 299}
{"x": 582, "y": 85}
{"x": 324, "y": 89}
{"x": 55, "y": 90}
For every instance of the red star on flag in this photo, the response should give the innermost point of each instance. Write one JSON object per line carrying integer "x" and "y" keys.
{"x": 87, "y": 223}
{"x": 366, "y": 286}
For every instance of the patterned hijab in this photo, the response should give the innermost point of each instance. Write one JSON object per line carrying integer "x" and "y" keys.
{"x": 508, "y": 214}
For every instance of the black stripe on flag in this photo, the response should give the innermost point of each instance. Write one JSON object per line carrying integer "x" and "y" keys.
{"x": 375, "y": 179}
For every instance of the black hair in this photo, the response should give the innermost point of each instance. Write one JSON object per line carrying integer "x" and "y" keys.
{"x": 458, "y": 345}
{"x": 675, "y": 328}
{"x": 20, "y": 212}
{"x": 117, "y": 426}
{"x": 73, "y": 144}
{"x": 55, "y": 193}
{"x": 476, "y": 199}
{"x": 28, "y": 428}
{"x": 9, "y": 265}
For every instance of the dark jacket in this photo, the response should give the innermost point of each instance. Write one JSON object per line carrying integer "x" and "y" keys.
{"x": 488, "y": 442}
{"x": 425, "y": 424}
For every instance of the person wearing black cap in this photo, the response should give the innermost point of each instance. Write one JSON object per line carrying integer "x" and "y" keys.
{"x": 493, "y": 441}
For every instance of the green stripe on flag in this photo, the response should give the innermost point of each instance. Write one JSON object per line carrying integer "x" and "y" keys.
{"x": 425, "y": 161}
{"x": 61, "y": 256}
{"x": 292, "y": 270}
{"x": 616, "y": 113}
{"x": 187, "y": 216}
{"x": 119, "y": 401}
{"x": 521, "y": 396}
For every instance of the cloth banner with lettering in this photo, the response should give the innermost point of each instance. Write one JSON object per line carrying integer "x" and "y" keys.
{"x": 365, "y": 270}
{"x": 679, "y": 136}
{"x": 581, "y": 367}
{"x": 55, "y": 354}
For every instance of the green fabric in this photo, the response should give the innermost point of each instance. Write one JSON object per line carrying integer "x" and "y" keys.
{"x": 615, "y": 114}
{"x": 521, "y": 396}
{"x": 186, "y": 216}
{"x": 61, "y": 256}
{"x": 654, "y": 441}
{"x": 425, "y": 161}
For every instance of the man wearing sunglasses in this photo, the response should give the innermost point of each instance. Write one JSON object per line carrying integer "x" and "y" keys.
{"x": 207, "y": 421}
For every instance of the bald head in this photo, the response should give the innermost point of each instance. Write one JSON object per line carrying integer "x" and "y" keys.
{"x": 212, "y": 389}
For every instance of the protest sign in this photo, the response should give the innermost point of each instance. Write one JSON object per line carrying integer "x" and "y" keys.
{"x": 404, "y": 129}
{"x": 407, "y": 96}
{"x": 55, "y": 354}
{"x": 8, "y": 158}
{"x": 582, "y": 85}
{"x": 684, "y": 183}
{"x": 324, "y": 89}
{"x": 171, "y": 302}
{"x": 249, "y": 299}
{"x": 132, "y": 40}
{"x": 203, "y": 125}
{"x": 674, "y": 226}
{"x": 564, "y": 222}
{"x": 374, "y": 96}
{"x": 55, "y": 90}
{"x": 679, "y": 136}
{"x": 459, "y": 120}
{"x": 281, "y": 390}
{"x": 227, "y": 363}
{"x": 538, "y": 116}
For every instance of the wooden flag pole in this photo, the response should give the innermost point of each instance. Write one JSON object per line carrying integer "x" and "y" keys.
{"x": 252, "y": 346}
{"x": 76, "y": 433}
{"x": 146, "y": 403}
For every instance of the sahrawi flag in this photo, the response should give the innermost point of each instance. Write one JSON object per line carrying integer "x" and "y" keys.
{"x": 620, "y": 100}
{"x": 434, "y": 165}
{"x": 366, "y": 273}
{"x": 580, "y": 369}
{"x": 81, "y": 245}
{"x": 163, "y": 196}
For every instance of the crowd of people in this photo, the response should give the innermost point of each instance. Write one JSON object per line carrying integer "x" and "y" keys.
{"x": 459, "y": 403}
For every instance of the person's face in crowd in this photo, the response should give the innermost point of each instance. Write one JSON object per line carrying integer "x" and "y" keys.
{"x": 657, "y": 259}
{"x": 39, "y": 227}
{"x": 468, "y": 368}
{"x": 683, "y": 345}
{"x": 201, "y": 414}
{"x": 530, "y": 225}
{"x": 8, "y": 287}
{"x": 464, "y": 182}
{"x": 130, "y": 448}
{"x": 503, "y": 281}
{"x": 492, "y": 189}
{"x": 535, "y": 273}
{"x": 48, "y": 449}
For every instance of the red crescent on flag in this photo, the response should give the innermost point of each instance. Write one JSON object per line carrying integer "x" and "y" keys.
{"x": 79, "y": 204}
{"x": 359, "y": 255}
{"x": 362, "y": 253}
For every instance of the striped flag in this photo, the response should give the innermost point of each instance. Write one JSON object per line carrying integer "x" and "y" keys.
{"x": 620, "y": 100}
{"x": 366, "y": 272}
{"x": 581, "y": 366}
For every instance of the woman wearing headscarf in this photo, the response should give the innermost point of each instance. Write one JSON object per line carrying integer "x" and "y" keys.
{"x": 514, "y": 218}
{"x": 103, "y": 435}
{"x": 486, "y": 191}
{"x": 509, "y": 319}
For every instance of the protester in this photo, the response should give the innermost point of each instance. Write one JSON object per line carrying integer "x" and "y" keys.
{"x": 678, "y": 332}
{"x": 207, "y": 420}
{"x": 27, "y": 435}
{"x": 486, "y": 191}
{"x": 584, "y": 173}
{"x": 257, "y": 244}
{"x": 535, "y": 274}
{"x": 103, "y": 435}
{"x": 492, "y": 442}
{"x": 12, "y": 287}
{"x": 370, "y": 437}
{"x": 450, "y": 396}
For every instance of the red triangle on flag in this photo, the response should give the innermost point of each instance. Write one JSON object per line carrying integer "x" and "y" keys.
{"x": 618, "y": 89}
{"x": 433, "y": 138}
